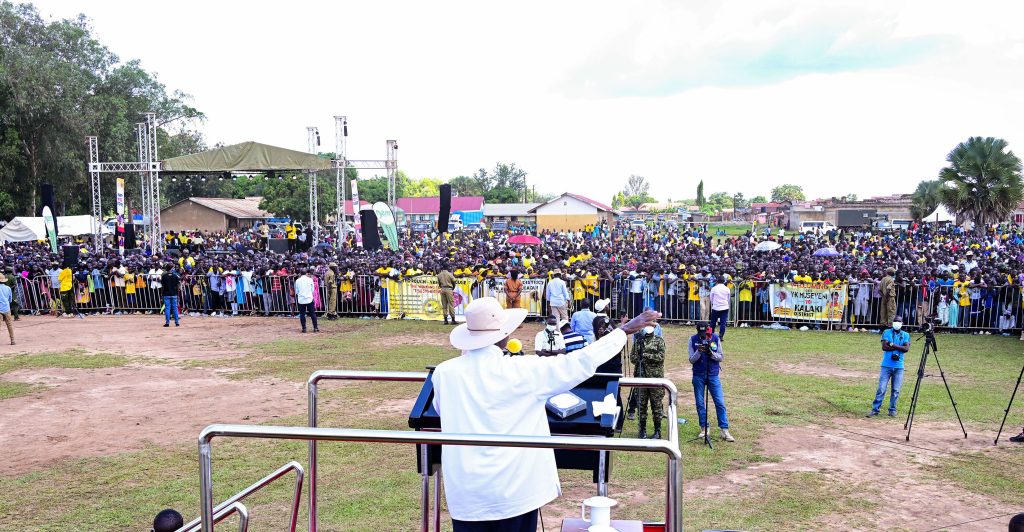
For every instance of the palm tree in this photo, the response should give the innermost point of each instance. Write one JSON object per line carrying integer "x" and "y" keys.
{"x": 982, "y": 181}
{"x": 925, "y": 199}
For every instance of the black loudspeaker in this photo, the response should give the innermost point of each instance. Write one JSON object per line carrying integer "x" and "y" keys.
{"x": 129, "y": 237}
{"x": 70, "y": 256}
{"x": 46, "y": 193}
{"x": 446, "y": 208}
{"x": 371, "y": 238}
{"x": 279, "y": 245}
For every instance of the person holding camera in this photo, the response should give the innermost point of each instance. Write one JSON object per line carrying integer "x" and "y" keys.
{"x": 549, "y": 342}
{"x": 648, "y": 357}
{"x": 895, "y": 344}
{"x": 706, "y": 356}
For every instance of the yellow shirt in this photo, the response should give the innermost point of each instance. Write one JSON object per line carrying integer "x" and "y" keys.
{"x": 129, "y": 283}
{"x": 960, "y": 289}
{"x": 747, "y": 291}
{"x": 291, "y": 231}
{"x": 694, "y": 289}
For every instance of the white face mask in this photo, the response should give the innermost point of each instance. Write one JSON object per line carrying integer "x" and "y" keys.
{"x": 550, "y": 328}
{"x": 648, "y": 330}
{"x": 897, "y": 325}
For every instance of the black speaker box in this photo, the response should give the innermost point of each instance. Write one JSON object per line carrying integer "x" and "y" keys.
{"x": 279, "y": 245}
{"x": 371, "y": 238}
{"x": 70, "y": 256}
{"x": 446, "y": 208}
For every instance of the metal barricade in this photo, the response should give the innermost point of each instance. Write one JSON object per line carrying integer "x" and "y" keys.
{"x": 312, "y": 385}
{"x": 222, "y": 514}
{"x": 223, "y": 509}
{"x": 673, "y": 507}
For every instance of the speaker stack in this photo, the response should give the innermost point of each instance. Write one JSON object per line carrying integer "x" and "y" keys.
{"x": 446, "y": 208}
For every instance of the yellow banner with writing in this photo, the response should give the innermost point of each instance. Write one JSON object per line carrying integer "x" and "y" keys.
{"x": 419, "y": 298}
{"x": 809, "y": 301}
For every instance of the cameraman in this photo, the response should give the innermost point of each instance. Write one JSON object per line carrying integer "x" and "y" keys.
{"x": 549, "y": 342}
{"x": 895, "y": 344}
{"x": 706, "y": 356}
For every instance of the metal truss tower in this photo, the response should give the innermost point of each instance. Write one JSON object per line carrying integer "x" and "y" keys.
{"x": 313, "y": 139}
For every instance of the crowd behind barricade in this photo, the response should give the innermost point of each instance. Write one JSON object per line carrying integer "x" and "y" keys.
{"x": 965, "y": 279}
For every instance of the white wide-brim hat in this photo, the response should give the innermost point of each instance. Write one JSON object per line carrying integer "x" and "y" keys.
{"x": 486, "y": 324}
{"x": 601, "y": 304}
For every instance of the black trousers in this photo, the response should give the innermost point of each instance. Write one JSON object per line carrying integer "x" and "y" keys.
{"x": 306, "y": 309}
{"x": 521, "y": 523}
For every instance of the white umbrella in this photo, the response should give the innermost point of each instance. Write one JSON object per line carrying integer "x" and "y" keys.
{"x": 767, "y": 245}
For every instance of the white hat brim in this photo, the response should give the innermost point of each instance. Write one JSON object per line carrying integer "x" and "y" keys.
{"x": 467, "y": 340}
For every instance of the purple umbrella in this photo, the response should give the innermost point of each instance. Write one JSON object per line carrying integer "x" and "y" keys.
{"x": 826, "y": 252}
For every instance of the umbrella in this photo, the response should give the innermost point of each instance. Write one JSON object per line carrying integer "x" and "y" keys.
{"x": 826, "y": 252}
{"x": 524, "y": 239}
{"x": 767, "y": 245}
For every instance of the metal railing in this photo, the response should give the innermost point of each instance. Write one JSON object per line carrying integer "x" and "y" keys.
{"x": 221, "y": 514}
{"x": 673, "y": 510}
{"x": 193, "y": 525}
{"x": 428, "y": 515}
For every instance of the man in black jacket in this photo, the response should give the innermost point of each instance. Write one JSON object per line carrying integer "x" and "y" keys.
{"x": 169, "y": 291}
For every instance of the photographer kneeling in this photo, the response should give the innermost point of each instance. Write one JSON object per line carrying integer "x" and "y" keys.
{"x": 895, "y": 344}
{"x": 706, "y": 356}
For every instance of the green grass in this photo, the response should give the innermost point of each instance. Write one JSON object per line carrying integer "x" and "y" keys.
{"x": 375, "y": 487}
{"x": 71, "y": 359}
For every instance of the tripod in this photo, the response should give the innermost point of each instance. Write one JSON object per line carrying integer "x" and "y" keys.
{"x": 929, "y": 347}
{"x": 1007, "y": 411}
{"x": 707, "y": 424}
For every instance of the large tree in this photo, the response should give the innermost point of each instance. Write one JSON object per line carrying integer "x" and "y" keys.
{"x": 788, "y": 193}
{"x": 700, "y": 195}
{"x": 982, "y": 181}
{"x": 58, "y": 84}
{"x": 759, "y": 199}
{"x": 636, "y": 192}
{"x": 926, "y": 198}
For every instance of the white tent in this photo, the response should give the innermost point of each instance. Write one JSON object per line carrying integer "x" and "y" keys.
{"x": 28, "y": 228}
{"x": 940, "y": 215}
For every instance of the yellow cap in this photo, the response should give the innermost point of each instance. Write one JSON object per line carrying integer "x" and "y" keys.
{"x": 515, "y": 346}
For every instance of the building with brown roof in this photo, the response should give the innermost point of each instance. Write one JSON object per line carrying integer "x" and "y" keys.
{"x": 572, "y": 212}
{"x": 213, "y": 214}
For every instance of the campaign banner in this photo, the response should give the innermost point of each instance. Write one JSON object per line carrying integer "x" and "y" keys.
{"x": 808, "y": 301}
{"x": 530, "y": 299}
{"x": 386, "y": 220}
{"x": 51, "y": 228}
{"x": 120, "y": 216}
{"x": 419, "y": 298}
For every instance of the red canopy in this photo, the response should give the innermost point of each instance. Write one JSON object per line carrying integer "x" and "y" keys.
{"x": 524, "y": 239}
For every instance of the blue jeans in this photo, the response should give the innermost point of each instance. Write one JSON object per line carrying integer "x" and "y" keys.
{"x": 895, "y": 375}
{"x": 171, "y": 309}
{"x": 715, "y": 387}
{"x": 694, "y": 311}
{"x": 720, "y": 317}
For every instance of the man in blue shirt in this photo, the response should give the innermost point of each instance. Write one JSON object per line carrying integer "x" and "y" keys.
{"x": 6, "y": 296}
{"x": 895, "y": 344}
{"x": 706, "y": 367}
{"x": 583, "y": 321}
{"x": 558, "y": 296}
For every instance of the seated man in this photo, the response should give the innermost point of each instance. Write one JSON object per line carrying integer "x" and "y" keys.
{"x": 572, "y": 340}
{"x": 168, "y": 521}
{"x": 549, "y": 342}
{"x": 484, "y": 392}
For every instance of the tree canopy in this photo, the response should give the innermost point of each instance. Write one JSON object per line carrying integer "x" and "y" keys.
{"x": 636, "y": 192}
{"x": 58, "y": 84}
{"x": 788, "y": 193}
{"x": 925, "y": 199}
{"x": 982, "y": 181}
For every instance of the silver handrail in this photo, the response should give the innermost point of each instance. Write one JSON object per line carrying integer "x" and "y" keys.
{"x": 192, "y": 525}
{"x": 222, "y": 514}
{"x": 673, "y": 511}
{"x": 311, "y": 384}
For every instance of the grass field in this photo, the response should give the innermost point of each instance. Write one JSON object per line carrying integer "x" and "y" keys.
{"x": 779, "y": 385}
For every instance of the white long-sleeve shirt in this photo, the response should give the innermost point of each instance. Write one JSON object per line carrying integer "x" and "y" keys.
{"x": 485, "y": 392}
{"x": 304, "y": 290}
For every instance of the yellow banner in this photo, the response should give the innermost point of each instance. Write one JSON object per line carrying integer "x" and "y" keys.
{"x": 809, "y": 301}
{"x": 419, "y": 298}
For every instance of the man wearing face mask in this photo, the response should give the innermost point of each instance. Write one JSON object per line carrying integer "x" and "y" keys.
{"x": 648, "y": 357}
{"x": 706, "y": 356}
{"x": 549, "y": 342}
{"x": 895, "y": 344}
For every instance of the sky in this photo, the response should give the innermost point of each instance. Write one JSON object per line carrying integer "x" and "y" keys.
{"x": 838, "y": 97}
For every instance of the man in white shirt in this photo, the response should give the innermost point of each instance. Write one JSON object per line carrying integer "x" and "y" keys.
{"x": 558, "y": 296}
{"x": 720, "y": 306}
{"x": 304, "y": 298}
{"x": 485, "y": 392}
{"x": 549, "y": 341}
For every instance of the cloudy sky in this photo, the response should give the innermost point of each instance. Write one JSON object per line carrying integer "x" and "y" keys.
{"x": 838, "y": 97}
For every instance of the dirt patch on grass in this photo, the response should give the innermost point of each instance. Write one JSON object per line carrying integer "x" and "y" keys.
{"x": 871, "y": 453}
{"x": 96, "y": 412}
{"x": 420, "y": 338}
{"x": 196, "y": 339}
{"x": 821, "y": 369}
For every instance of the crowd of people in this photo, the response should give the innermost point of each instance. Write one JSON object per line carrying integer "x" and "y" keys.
{"x": 968, "y": 278}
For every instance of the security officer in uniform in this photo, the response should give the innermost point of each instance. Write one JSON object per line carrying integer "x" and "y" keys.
{"x": 446, "y": 281}
{"x": 331, "y": 281}
{"x": 887, "y": 287}
{"x": 649, "y": 352}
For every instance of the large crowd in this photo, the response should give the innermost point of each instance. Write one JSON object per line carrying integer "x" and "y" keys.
{"x": 671, "y": 268}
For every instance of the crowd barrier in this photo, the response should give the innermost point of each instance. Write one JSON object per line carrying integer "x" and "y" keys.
{"x": 994, "y": 309}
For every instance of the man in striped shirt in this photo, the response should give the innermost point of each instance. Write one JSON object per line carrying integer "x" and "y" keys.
{"x": 573, "y": 340}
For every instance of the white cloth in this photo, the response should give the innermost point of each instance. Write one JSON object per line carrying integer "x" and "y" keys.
{"x": 485, "y": 392}
{"x": 540, "y": 342}
{"x": 304, "y": 290}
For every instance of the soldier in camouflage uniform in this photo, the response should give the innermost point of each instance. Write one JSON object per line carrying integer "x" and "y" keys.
{"x": 887, "y": 287}
{"x": 649, "y": 353}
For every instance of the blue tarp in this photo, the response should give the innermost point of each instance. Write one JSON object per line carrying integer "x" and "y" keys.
{"x": 470, "y": 217}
